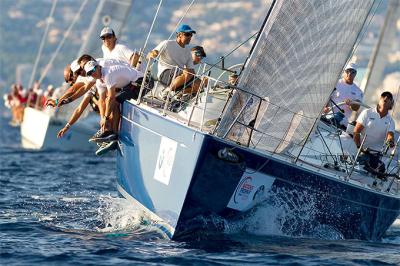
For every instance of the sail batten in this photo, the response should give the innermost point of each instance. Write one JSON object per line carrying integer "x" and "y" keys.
{"x": 295, "y": 63}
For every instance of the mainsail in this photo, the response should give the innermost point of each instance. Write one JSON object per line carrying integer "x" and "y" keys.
{"x": 374, "y": 76}
{"x": 294, "y": 67}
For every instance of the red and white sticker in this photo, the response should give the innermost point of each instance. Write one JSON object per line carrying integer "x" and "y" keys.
{"x": 252, "y": 188}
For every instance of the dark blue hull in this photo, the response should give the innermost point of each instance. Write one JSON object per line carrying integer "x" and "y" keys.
{"x": 196, "y": 184}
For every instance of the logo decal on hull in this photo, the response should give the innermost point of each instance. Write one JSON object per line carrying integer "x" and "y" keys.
{"x": 165, "y": 160}
{"x": 251, "y": 189}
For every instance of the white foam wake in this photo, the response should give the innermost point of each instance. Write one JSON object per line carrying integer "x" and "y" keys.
{"x": 284, "y": 213}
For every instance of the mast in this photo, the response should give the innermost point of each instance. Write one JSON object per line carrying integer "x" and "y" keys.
{"x": 374, "y": 76}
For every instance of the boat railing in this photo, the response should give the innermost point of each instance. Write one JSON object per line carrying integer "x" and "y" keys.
{"x": 203, "y": 84}
{"x": 194, "y": 111}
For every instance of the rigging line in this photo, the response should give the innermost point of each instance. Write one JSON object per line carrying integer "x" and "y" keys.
{"x": 395, "y": 101}
{"x": 152, "y": 25}
{"x": 231, "y": 52}
{"x": 375, "y": 51}
{"x": 179, "y": 22}
{"x": 176, "y": 26}
{"x": 42, "y": 42}
{"x": 66, "y": 34}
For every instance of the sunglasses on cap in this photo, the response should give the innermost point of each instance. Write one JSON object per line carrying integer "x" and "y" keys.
{"x": 108, "y": 36}
{"x": 89, "y": 73}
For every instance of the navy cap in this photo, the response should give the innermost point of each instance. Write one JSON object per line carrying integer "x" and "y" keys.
{"x": 185, "y": 28}
{"x": 387, "y": 94}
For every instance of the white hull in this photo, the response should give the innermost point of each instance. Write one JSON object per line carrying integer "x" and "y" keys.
{"x": 39, "y": 131}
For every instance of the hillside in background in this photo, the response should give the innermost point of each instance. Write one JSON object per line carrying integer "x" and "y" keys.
{"x": 221, "y": 26}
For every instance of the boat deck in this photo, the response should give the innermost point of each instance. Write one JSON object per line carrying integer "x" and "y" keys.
{"x": 356, "y": 176}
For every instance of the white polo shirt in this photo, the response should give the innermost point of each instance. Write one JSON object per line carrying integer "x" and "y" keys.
{"x": 102, "y": 62}
{"x": 117, "y": 76}
{"x": 345, "y": 91}
{"x": 120, "y": 52}
{"x": 172, "y": 54}
{"x": 375, "y": 127}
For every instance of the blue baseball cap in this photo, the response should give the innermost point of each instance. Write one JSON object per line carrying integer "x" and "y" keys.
{"x": 185, "y": 28}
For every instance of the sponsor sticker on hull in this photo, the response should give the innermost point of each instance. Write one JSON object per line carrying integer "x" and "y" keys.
{"x": 165, "y": 160}
{"x": 252, "y": 189}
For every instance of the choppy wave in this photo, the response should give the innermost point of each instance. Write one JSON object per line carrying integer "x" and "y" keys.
{"x": 63, "y": 208}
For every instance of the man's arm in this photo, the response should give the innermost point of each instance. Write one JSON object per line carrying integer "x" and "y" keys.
{"x": 152, "y": 54}
{"x": 134, "y": 59}
{"x": 156, "y": 51}
{"x": 75, "y": 116}
{"x": 390, "y": 139}
{"x": 76, "y": 93}
{"x": 357, "y": 133}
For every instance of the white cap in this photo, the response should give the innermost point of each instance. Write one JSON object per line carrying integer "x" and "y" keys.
{"x": 351, "y": 66}
{"x": 75, "y": 66}
{"x": 106, "y": 31}
{"x": 90, "y": 66}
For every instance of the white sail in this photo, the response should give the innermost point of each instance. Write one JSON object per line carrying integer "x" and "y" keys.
{"x": 295, "y": 63}
{"x": 373, "y": 78}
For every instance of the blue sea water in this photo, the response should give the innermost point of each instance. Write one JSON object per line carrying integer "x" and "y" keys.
{"x": 61, "y": 208}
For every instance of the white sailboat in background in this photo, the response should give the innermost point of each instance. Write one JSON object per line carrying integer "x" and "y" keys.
{"x": 39, "y": 127}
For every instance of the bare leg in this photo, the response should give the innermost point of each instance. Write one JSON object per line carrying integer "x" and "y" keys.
{"x": 180, "y": 80}
{"x": 102, "y": 104}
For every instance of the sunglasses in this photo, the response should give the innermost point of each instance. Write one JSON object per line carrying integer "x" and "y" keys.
{"x": 351, "y": 71}
{"x": 108, "y": 36}
{"x": 198, "y": 54}
{"x": 188, "y": 34}
{"x": 89, "y": 73}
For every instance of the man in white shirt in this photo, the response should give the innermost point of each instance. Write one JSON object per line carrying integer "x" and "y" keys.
{"x": 113, "y": 50}
{"x": 377, "y": 126}
{"x": 111, "y": 78}
{"x": 346, "y": 92}
{"x": 80, "y": 83}
{"x": 175, "y": 59}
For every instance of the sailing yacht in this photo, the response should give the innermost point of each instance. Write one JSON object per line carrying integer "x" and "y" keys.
{"x": 269, "y": 147}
